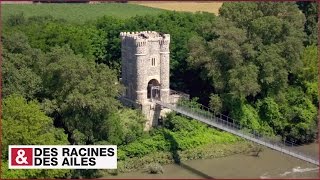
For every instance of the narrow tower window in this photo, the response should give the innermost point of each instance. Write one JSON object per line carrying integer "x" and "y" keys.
{"x": 153, "y": 61}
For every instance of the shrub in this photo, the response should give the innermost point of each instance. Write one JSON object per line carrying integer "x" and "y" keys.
{"x": 154, "y": 168}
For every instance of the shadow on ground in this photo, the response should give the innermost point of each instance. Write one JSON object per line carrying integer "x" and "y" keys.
{"x": 175, "y": 155}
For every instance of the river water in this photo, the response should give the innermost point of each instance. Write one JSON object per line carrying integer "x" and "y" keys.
{"x": 269, "y": 164}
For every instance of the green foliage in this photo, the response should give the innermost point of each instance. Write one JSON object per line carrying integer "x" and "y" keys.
{"x": 79, "y": 92}
{"x": 179, "y": 133}
{"x": 124, "y": 127}
{"x": 310, "y": 10}
{"x": 301, "y": 115}
{"x": 16, "y": 19}
{"x": 222, "y": 60}
{"x": 274, "y": 26}
{"x": 308, "y": 74}
{"x": 85, "y": 40}
{"x": 243, "y": 14}
{"x": 25, "y": 124}
{"x": 146, "y": 145}
{"x": 252, "y": 56}
{"x": 312, "y": 92}
{"x": 181, "y": 26}
{"x": 22, "y": 115}
{"x": 79, "y": 137}
{"x": 269, "y": 112}
{"x": 273, "y": 75}
{"x": 179, "y": 123}
{"x": 215, "y": 103}
{"x": 277, "y": 39}
{"x": 20, "y": 60}
{"x": 309, "y": 71}
{"x": 112, "y": 53}
{"x": 249, "y": 119}
{"x": 32, "y": 173}
{"x": 242, "y": 82}
{"x": 249, "y": 63}
{"x": 208, "y": 151}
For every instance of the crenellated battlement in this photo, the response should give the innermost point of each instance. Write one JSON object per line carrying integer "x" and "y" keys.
{"x": 141, "y": 44}
{"x": 141, "y": 38}
{"x": 164, "y": 42}
{"x": 141, "y": 34}
{"x": 146, "y": 64}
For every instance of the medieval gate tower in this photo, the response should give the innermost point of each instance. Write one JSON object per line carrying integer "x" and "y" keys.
{"x": 146, "y": 70}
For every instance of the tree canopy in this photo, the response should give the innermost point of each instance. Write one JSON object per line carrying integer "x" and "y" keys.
{"x": 24, "y": 123}
{"x": 256, "y": 62}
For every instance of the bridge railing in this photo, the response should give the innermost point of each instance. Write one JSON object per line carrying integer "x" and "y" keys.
{"x": 202, "y": 112}
{"x": 181, "y": 94}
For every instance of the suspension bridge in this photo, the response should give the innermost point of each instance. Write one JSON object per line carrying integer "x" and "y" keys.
{"x": 220, "y": 121}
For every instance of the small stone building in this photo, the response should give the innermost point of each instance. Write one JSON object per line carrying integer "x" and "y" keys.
{"x": 145, "y": 72}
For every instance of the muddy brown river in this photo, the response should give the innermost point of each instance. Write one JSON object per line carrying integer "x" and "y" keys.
{"x": 269, "y": 164}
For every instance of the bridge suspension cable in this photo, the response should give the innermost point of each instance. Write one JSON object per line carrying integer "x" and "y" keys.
{"x": 203, "y": 114}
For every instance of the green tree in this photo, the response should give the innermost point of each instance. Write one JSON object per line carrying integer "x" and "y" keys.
{"x": 270, "y": 112}
{"x": 308, "y": 74}
{"x": 25, "y": 124}
{"x": 310, "y": 10}
{"x": 243, "y": 13}
{"x": 179, "y": 25}
{"x": 112, "y": 52}
{"x": 271, "y": 24}
{"x": 215, "y": 103}
{"x": 301, "y": 114}
{"x": 50, "y": 32}
{"x": 124, "y": 127}
{"x": 252, "y": 53}
{"x": 79, "y": 93}
{"x": 273, "y": 75}
{"x": 243, "y": 81}
{"x": 224, "y": 61}
{"x": 20, "y": 66}
{"x": 309, "y": 71}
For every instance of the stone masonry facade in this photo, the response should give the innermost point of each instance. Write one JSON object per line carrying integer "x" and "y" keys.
{"x": 145, "y": 63}
{"x": 145, "y": 57}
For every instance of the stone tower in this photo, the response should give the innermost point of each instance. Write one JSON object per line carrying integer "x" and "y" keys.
{"x": 145, "y": 70}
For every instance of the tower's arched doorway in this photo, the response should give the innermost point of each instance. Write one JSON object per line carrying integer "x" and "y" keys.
{"x": 153, "y": 89}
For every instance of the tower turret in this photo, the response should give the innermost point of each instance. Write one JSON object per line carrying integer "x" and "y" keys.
{"x": 145, "y": 68}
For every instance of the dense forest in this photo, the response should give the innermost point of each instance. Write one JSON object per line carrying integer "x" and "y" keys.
{"x": 256, "y": 62}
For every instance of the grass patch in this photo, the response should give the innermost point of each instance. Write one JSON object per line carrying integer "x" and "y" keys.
{"x": 179, "y": 134}
{"x": 180, "y": 139}
{"x": 78, "y": 13}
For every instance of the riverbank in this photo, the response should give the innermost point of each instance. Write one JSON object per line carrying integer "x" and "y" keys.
{"x": 208, "y": 151}
{"x": 180, "y": 139}
{"x": 269, "y": 164}
{"x": 181, "y": 142}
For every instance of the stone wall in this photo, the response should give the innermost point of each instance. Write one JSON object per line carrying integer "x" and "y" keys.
{"x": 145, "y": 57}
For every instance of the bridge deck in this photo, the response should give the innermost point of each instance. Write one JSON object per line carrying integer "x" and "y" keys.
{"x": 222, "y": 124}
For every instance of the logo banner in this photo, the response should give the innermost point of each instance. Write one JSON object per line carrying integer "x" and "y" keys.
{"x": 62, "y": 157}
